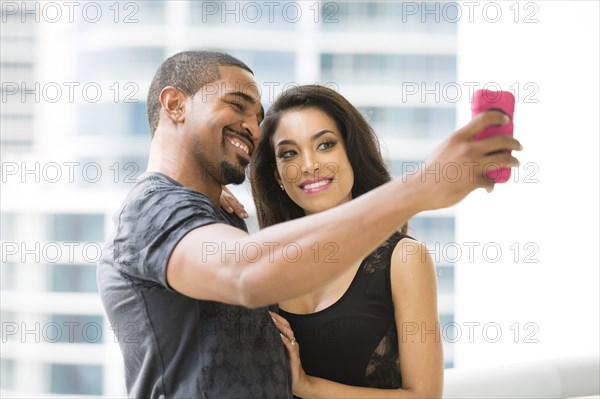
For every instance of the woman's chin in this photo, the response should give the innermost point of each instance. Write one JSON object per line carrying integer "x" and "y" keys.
{"x": 314, "y": 208}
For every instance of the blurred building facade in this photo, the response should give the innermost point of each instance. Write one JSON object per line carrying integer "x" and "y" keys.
{"x": 68, "y": 161}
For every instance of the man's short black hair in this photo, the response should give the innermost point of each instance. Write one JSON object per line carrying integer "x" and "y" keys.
{"x": 187, "y": 71}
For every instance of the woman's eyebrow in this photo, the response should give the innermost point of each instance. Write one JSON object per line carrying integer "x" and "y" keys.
{"x": 313, "y": 138}
{"x": 319, "y": 134}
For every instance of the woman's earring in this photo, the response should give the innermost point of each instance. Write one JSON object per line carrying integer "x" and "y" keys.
{"x": 282, "y": 188}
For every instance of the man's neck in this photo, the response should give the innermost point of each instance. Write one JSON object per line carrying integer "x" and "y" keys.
{"x": 181, "y": 167}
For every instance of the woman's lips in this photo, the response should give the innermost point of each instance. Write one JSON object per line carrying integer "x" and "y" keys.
{"x": 316, "y": 185}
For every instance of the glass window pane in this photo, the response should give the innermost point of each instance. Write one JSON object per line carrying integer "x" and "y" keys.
{"x": 445, "y": 276}
{"x": 450, "y": 332}
{"x": 74, "y": 278}
{"x": 80, "y": 329}
{"x": 7, "y": 223}
{"x": 7, "y": 373}
{"x": 433, "y": 231}
{"x": 132, "y": 63}
{"x": 76, "y": 379}
{"x": 246, "y": 15}
{"x": 8, "y": 275}
{"x": 411, "y": 122}
{"x": 396, "y": 16}
{"x": 391, "y": 68}
{"x": 111, "y": 14}
{"x": 77, "y": 227}
{"x": 113, "y": 119}
{"x": 398, "y": 167}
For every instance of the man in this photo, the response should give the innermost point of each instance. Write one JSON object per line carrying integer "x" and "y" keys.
{"x": 192, "y": 285}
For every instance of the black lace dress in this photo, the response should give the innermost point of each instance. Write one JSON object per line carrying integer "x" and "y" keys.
{"x": 354, "y": 341}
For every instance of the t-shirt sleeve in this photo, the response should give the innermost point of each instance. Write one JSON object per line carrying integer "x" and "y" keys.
{"x": 151, "y": 224}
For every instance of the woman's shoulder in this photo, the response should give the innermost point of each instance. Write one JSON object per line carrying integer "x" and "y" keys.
{"x": 401, "y": 243}
{"x": 381, "y": 257}
{"x": 410, "y": 256}
{"x": 405, "y": 244}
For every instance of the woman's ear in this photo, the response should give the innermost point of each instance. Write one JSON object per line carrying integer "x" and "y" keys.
{"x": 173, "y": 104}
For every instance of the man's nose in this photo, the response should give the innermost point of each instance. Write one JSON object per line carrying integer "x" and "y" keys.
{"x": 250, "y": 125}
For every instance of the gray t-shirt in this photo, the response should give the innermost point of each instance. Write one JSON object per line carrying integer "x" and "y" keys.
{"x": 175, "y": 346}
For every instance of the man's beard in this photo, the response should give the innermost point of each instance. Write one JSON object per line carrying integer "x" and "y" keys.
{"x": 232, "y": 173}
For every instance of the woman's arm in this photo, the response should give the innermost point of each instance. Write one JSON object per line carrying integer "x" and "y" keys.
{"x": 414, "y": 294}
{"x": 414, "y": 291}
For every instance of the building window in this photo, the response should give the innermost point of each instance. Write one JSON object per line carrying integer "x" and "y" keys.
{"x": 445, "y": 277}
{"x": 399, "y": 167}
{"x": 394, "y": 69}
{"x": 246, "y": 15}
{"x": 8, "y": 223}
{"x": 433, "y": 231}
{"x": 8, "y": 279}
{"x": 74, "y": 278}
{"x": 121, "y": 64}
{"x": 113, "y": 119}
{"x": 79, "y": 329}
{"x": 111, "y": 14}
{"x": 77, "y": 227}
{"x": 411, "y": 122}
{"x": 395, "y": 16}
{"x": 7, "y": 373}
{"x": 76, "y": 379}
{"x": 449, "y": 332}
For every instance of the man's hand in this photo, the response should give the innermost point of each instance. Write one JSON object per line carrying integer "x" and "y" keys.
{"x": 458, "y": 165}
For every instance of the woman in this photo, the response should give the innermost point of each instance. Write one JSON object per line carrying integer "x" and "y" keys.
{"x": 373, "y": 332}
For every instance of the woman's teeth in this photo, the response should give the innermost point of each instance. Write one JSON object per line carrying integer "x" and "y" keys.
{"x": 318, "y": 184}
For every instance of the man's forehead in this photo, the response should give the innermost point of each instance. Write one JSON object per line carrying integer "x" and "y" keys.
{"x": 238, "y": 80}
{"x": 248, "y": 92}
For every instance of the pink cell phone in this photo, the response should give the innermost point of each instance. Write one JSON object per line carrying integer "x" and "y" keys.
{"x": 503, "y": 101}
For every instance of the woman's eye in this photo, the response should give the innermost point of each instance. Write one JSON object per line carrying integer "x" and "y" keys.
{"x": 326, "y": 145}
{"x": 286, "y": 154}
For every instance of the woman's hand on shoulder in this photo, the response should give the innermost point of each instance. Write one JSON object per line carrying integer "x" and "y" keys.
{"x": 231, "y": 204}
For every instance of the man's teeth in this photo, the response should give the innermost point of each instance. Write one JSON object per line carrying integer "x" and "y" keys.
{"x": 242, "y": 146}
{"x": 318, "y": 184}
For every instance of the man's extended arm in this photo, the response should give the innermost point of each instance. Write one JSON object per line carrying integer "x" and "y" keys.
{"x": 220, "y": 263}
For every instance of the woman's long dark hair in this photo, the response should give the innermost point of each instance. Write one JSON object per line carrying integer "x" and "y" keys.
{"x": 273, "y": 205}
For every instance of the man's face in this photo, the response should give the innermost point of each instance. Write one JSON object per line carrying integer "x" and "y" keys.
{"x": 222, "y": 121}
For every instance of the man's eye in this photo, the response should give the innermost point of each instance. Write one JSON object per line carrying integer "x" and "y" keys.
{"x": 239, "y": 106}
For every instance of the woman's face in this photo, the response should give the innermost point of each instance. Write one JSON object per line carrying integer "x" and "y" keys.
{"x": 312, "y": 163}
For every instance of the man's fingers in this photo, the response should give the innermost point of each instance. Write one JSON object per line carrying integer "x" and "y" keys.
{"x": 480, "y": 122}
{"x": 497, "y": 143}
{"x": 502, "y": 160}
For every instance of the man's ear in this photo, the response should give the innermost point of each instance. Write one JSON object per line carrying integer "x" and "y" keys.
{"x": 173, "y": 104}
